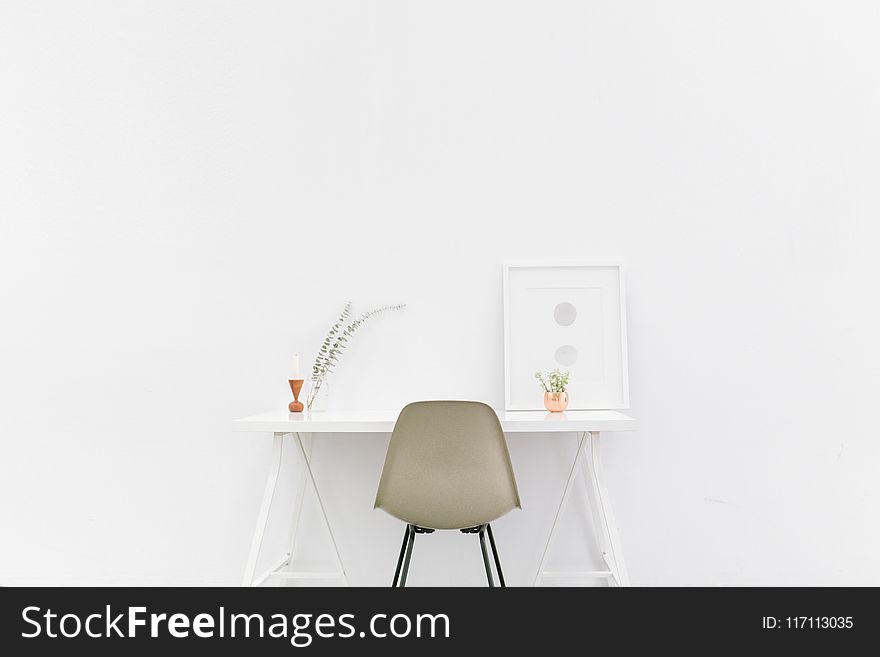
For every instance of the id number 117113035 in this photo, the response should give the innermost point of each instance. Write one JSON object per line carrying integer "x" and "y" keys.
{"x": 807, "y": 623}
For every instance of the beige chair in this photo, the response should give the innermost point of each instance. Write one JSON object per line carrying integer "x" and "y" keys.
{"x": 447, "y": 467}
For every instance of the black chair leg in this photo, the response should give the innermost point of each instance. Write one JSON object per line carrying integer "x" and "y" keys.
{"x": 486, "y": 555}
{"x": 409, "y": 539}
{"x": 495, "y": 554}
{"x": 400, "y": 558}
{"x": 409, "y": 548}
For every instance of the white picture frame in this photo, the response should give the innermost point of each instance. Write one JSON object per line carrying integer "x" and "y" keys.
{"x": 570, "y": 315}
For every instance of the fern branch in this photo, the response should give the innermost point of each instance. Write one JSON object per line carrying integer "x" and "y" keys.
{"x": 335, "y": 343}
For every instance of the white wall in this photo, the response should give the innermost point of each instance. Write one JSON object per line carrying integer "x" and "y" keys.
{"x": 190, "y": 191}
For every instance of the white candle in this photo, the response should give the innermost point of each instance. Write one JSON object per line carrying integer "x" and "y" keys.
{"x": 296, "y": 366}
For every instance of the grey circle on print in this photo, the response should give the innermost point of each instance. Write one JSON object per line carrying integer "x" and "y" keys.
{"x": 565, "y": 314}
{"x": 566, "y": 355}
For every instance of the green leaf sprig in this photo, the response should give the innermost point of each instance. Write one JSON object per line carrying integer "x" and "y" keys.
{"x": 334, "y": 344}
{"x": 554, "y": 381}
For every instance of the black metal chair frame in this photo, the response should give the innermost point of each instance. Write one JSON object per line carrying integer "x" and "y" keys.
{"x": 409, "y": 539}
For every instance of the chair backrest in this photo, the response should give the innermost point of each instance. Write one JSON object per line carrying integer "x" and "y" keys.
{"x": 447, "y": 467}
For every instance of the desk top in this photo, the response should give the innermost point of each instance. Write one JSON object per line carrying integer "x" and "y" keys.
{"x": 281, "y": 421}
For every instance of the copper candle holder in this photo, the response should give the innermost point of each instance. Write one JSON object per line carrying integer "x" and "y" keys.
{"x": 296, "y": 406}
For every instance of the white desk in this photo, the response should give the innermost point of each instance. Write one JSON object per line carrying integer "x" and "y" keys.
{"x": 587, "y": 425}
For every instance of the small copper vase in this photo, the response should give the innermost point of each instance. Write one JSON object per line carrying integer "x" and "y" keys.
{"x": 296, "y": 406}
{"x": 555, "y": 402}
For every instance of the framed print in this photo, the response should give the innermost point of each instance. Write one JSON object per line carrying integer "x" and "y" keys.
{"x": 571, "y": 316}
